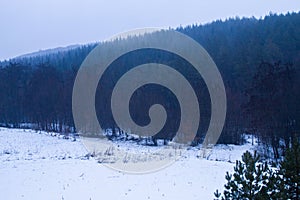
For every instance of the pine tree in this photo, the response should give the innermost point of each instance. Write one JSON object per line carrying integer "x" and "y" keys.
{"x": 290, "y": 173}
{"x": 250, "y": 180}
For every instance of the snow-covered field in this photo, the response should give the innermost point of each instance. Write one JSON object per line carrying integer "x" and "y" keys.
{"x": 37, "y": 165}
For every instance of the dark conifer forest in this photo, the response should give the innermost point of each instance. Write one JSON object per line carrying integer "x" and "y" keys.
{"x": 259, "y": 60}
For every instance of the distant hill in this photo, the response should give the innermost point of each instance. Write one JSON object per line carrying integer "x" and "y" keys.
{"x": 236, "y": 45}
{"x": 37, "y": 87}
{"x": 47, "y": 52}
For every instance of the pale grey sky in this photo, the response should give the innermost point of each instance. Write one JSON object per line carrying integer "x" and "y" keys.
{"x": 32, "y": 25}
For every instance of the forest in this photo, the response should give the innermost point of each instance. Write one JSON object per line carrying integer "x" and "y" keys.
{"x": 259, "y": 60}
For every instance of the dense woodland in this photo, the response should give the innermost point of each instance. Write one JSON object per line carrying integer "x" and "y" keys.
{"x": 259, "y": 60}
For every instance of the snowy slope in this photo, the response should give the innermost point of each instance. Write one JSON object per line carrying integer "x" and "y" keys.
{"x": 39, "y": 166}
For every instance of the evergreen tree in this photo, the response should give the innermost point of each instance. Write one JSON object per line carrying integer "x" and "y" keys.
{"x": 250, "y": 180}
{"x": 290, "y": 173}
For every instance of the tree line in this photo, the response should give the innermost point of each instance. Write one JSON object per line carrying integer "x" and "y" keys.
{"x": 38, "y": 97}
{"x": 258, "y": 59}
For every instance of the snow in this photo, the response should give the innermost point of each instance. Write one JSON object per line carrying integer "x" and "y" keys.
{"x": 39, "y": 165}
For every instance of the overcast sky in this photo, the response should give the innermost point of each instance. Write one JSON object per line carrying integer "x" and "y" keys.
{"x": 32, "y": 25}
